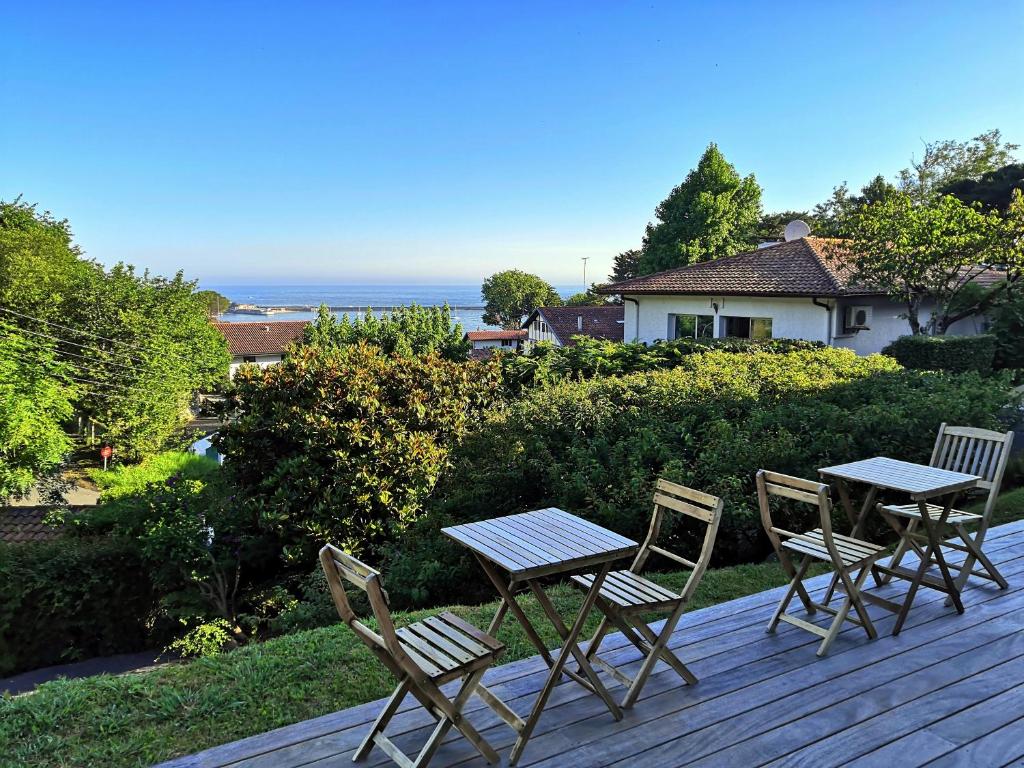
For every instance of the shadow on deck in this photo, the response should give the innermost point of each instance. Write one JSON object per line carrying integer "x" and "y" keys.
{"x": 949, "y": 691}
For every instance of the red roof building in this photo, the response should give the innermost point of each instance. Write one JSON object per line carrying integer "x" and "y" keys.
{"x": 560, "y": 325}
{"x": 260, "y": 343}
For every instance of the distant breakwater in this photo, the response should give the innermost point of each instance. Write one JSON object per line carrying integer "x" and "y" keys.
{"x": 261, "y": 310}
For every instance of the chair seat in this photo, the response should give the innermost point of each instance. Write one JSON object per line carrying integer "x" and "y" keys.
{"x": 956, "y": 516}
{"x": 630, "y": 590}
{"x": 851, "y": 550}
{"x": 445, "y": 646}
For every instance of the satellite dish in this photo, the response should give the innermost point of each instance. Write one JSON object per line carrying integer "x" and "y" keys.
{"x": 796, "y": 229}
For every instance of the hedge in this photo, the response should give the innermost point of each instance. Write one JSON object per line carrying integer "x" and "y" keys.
{"x": 944, "y": 353}
{"x": 596, "y": 447}
{"x": 69, "y": 599}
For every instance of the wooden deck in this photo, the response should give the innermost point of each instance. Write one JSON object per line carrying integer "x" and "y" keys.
{"x": 949, "y": 691}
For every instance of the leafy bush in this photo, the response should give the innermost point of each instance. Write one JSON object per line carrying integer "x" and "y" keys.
{"x": 596, "y": 447}
{"x": 345, "y": 444}
{"x": 71, "y": 598}
{"x": 130, "y": 479}
{"x": 595, "y": 357}
{"x": 944, "y": 353}
{"x": 1008, "y": 330}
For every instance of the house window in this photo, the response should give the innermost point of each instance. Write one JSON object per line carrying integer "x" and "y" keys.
{"x": 248, "y": 358}
{"x": 543, "y": 327}
{"x": 506, "y": 342}
{"x": 747, "y": 327}
{"x": 694, "y": 326}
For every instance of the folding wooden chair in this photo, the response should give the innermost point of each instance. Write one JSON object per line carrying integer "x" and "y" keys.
{"x": 958, "y": 449}
{"x": 626, "y": 595}
{"x": 846, "y": 554}
{"x": 423, "y": 656}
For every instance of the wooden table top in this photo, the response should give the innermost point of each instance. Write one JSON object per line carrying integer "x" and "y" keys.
{"x": 918, "y": 480}
{"x": 542, "y": 542}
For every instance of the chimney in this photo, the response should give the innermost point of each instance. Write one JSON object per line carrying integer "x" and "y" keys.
{"x": 579, "y": 322}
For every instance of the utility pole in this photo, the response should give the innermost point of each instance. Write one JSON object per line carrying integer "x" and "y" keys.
{"x": 585, "y": 273}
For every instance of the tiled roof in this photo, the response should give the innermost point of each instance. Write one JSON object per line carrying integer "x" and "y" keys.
{"x": 598, "y": 322}
{"x": 804, "y": 267}
{"x": 23, "y": 524}
{"x": 267, "y": 338}
{"x": 518, "y": 333}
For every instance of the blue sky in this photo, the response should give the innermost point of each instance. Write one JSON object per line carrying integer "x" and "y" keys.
{"x": 440, "y": 142}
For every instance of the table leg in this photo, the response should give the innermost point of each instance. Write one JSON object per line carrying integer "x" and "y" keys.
{"x": 509, "y": 603}
{"x": 556, "y": 668}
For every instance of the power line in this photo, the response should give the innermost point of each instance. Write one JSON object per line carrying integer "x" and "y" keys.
{"x": 150, "y": 350}
{"x": 72, "y": 343}
{"x": 12, "y": 332}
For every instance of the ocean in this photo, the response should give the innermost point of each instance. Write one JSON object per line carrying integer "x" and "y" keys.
{"x": 465, "y": 300}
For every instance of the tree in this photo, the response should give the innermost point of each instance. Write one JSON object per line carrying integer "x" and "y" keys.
{"x": 412, "y": 330}
{"x": 587, "y": 298}
{"x": 35, "y": 400}
{"x": 626, "y": 266}
{"x": 932, "y": 250}
{"x": 992, "y": 191}
{"x": 947, "y": 162}
{"x": 830, "y": 216}
{"x": 215, "y": 302}
{"x": 510, "y": 296}
{"x": 771, "y": 226}
{"x": 713, "y": 213}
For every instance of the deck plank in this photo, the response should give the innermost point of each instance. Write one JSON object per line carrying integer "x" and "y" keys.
{"x": 931, "y": 694}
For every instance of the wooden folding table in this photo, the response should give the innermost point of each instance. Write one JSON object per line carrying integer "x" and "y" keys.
{"x": 921, "y": 483}
{"x": 528, "y": 547}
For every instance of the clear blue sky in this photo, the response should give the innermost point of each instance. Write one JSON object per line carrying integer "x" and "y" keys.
{"x": 439, "y": 142}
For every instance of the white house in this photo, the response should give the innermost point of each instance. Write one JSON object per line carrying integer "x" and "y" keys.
{"x": 485, "y": 342}
{"x": 795, "y": 290}
{"x": 260, "y": 344}
{"x": 559, "y": 325}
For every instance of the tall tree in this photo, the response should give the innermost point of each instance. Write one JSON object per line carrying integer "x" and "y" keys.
{"x": 215, "y": 302}
{"x": 992, "y": 191}
{"x": 510, "y": 296}
{"x": 626, "y": 266}
{"x": 830, "y": 216}
{"x": 932, "y": 250}
{"x": 713, "y": 213}
{"x": 947, "y": 162}
{"x": 771, "y": 226}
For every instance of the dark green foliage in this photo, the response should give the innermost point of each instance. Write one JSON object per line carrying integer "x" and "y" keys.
{"x": 69, "y": 599}
{"x": 214, "y": 302}
{"x": 510, "y": 296}
{"x": 595, "y": 357}
{"x": 346, "y": 444}
{"x": 771, "y": 226}
{"x": 596, "y": 447}
{"x": 992, "y": 191}
{"x": 626, "y": 265}
{"x": 944, "y": 353}
{"x": 713, "y": 213}
{"x": 1008, "y": 329}
{"x": 412, "y": 330}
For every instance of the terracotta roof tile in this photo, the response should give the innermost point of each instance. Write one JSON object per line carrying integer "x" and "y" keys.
{"x": 499, "y": 335}
{"x": 269, "y": 338}
{"x": 598, "y": 322}
{"x": 804, "y": 267}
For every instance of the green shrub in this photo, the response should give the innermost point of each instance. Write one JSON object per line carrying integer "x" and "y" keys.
{"x": 345, "y": 444}
{"x": 129, "y": 479}
{"x": 1008, "y": 330}
{"x": 596, "y": 447}
{"x": 71, "y": 598}
{"x": 944, "y": 353}
{"x": 595, "y": 357}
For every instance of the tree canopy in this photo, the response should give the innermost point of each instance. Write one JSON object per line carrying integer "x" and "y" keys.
{"x": 214, "y": 302}
{"x": 944, "y": 163}
{"x": 932, "y": 250}
{"x": 510, "y": 296}
{"x": 713, "y": 213}
{"x": 993, "y": 190}
{"x": 411, "y": 330}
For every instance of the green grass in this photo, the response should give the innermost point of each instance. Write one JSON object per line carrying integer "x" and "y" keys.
{"x": 128, "y": 479}
{"x": 141, "y": 718}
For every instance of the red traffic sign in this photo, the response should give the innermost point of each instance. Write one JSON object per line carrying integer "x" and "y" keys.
{"x": 106, "y": 451}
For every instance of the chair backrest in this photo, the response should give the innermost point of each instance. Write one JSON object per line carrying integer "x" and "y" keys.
{"x": 341, "y": 567}
{"x": 674, "y": 498}
{"x": 974, "y": 451}
{"x": 796, "y": 488}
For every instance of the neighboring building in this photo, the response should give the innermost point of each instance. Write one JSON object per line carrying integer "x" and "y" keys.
{"x": 260, "y": 344}
{"x": 559, "y": 325}
{"x": 795, "y": 290}
{"x": 485, "y": 342}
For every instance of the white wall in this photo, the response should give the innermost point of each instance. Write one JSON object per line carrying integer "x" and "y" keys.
{"x": 261, "y": 360}
{"x": 535, "y": 333}
{"x": 791, "y": 318}
{"x": 489, "y": 343}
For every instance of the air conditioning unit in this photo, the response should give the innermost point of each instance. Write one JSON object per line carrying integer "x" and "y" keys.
{"x": 857, "y": 318}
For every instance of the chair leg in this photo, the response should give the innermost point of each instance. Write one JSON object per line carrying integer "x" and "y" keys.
{"x": 658, "y": 651}
{"x": 461, "y": 724}
{"x": 599, "y": 634}
{"x": 852, "y": 590}
{"x": 794, "y": 586}
{"x": 383, "y": 719}
{"x": 901, "y": 548}
{"x": 975, "y": 553}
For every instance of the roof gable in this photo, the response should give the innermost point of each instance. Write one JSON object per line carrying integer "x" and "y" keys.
{"x": 597, "y": 322}
{"x": 804, "y": 267}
